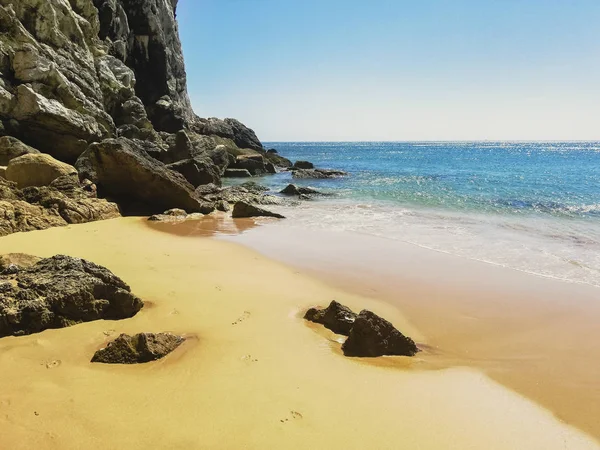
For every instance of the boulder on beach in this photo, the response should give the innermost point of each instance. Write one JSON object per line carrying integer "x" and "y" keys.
{"x": 122, "y": 169}
{"x": 139, "y": 348}
{"x": 336, "y": 317}
{"x": 244, "y": 209}
{"x": 59, "y": 292}
{"x": 373, "y": 336}
{"x": 37, "y": 169}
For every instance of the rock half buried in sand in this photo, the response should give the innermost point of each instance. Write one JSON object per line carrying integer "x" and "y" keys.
{"x": 59, "y": 292}
{"x": 372, "y": 336}
{"x": 140, "y": 348}
{"x": 243, "y": 209}
{"x": 337, "y": 317}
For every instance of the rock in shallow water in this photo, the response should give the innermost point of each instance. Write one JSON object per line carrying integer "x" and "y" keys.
{"x": 372, "y": 336}
{"x": 59, "y": 292}
{"x": 318, "y": 173}
{"x": 337, "y": 317}
{"x": 140, "y": 348}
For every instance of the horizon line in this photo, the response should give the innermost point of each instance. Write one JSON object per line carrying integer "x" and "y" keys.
{"x": 434, "y": 140}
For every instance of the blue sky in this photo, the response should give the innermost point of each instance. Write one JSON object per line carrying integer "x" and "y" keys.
{"x": 396, "y": 70}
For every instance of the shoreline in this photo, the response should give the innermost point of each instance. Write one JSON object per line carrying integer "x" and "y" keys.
{"x": 534, "y": 334}
{"x": 256, "y": 376}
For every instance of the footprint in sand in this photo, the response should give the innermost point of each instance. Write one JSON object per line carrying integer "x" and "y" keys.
{"x": 174, "y": 312}
{"x": 108, "y": 332}
{"x": 295, "y": 415}
{"x": 243, "y": 317}
{"x": 249, "y": 358}
{"x": 53, "y": 364}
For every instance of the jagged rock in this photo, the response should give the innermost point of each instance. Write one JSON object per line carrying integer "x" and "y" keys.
{"x": 61, "y": 203}
{"x": 243, "y": 209}
{"x": 37, "y": 170}
{"x": 303, "y": 165}
{"x": 292, "y": 189}
{"x": 255, "y": 164}
{"x": 318, "y": 173}
{"x": 144, "y": 34}
{"x": 336, "y": 317}
{"x": 11, "y": 148}
{"x": 198, "y": 170}
{"x": 62, "y": 291}
{"x": 278, "y": 160}
{"x": 242, "y": 136}
{"x": 374, "y": 336}
{"x": 122, "y": 169}
{"x": 250, "y": 192}
{"x": 237, "y": 173}
{"x": 3, "y": 172}
{"x": 272, "y": 150}
{"x": 140, "y": 348}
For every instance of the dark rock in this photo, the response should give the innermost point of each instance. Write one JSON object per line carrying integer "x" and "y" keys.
{"x": 122, "y": 169}
{"x": 237, "y": 173}
{"x": 292, "y": 189}
{"x": 318, "y": 173}
{"x": 303, "y": 165}
{"x": 374, "y": 336}
{"x": 255, "y": 164}
{"x": 272, "y": 150}
{"x": 144, "y": 35}
{"x": 197, "y": 171}
{"x": 243, "y": 209}
{"x": 278, "y": 160}
{"x": 62, "y": 291}
{"x": 140, "y": 348}
{"x": 222, "y": 205}
{"x": 336, "y": 317}
{"x": 11, "y": 148}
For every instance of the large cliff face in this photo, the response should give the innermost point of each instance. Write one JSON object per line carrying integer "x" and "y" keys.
{"x": 101, "y": 84}
{"x": 80, "y": 71}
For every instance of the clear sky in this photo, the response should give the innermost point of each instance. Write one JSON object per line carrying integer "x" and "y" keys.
{"x": 397, "y": 69}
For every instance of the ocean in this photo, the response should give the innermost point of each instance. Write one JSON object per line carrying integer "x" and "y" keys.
{"x": 530, "y": 206}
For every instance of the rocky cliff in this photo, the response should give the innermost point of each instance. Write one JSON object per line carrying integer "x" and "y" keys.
{"x": 75, "y": 74}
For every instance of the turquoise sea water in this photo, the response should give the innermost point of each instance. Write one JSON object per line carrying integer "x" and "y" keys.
{"x": 531, "y": 206}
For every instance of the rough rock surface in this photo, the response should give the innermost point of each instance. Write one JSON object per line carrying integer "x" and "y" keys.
{"x": 292, "y": 189}
{"x": 65, "y": 201}
{"x": 303, "y": 165}
{"x": 11, "y": 148}
{"x": 237, "y": 173}
{"x": 336, "y": 317}
{"x": 249, "y": 192}
{"x": 61, "y": 291}
{"x": 140, "y": 348}
{"x": 175, "y": 216}
{"x": 318, "y": 173}
{"x": 123, "y": 170}
{"x": 37, "y": 170}
{"x": 75, "y": 74}
{"x": 244, "y": 209}
{"x": 373, "y": 336}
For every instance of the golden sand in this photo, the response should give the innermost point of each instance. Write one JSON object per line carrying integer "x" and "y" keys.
{"x": 251, "y": 375}
{"x": 536, "y": 335}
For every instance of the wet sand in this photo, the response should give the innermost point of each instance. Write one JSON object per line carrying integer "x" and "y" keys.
{"x": 252, "y": 373}
{"x": 538, "y": 336}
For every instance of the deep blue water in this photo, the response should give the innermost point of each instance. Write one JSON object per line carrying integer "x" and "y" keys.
{"x": 530, "y": 206}
{"x": 495, "y": 177}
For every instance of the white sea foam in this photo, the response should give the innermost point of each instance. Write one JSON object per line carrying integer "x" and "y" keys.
{"x": 562, "y": 248}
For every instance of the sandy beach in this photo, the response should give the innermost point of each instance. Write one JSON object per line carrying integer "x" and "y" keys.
{"x": 252, "y": 373}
